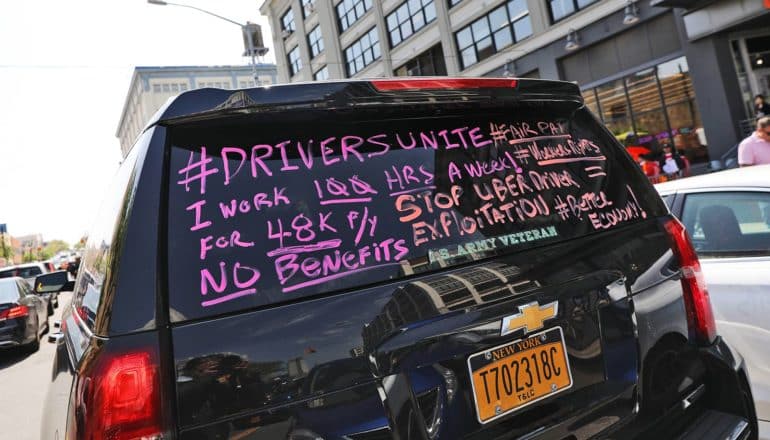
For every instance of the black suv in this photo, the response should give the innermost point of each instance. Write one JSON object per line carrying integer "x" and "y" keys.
{"x": 408, "y": 259}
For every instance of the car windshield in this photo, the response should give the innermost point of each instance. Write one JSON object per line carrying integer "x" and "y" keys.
{"x": 269, "y": 212}
{"x": 8, "y": 292}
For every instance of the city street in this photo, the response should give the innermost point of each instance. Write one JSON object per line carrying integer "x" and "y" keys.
{"x": 24, "y": 380}
{"x": 373, "y": 220}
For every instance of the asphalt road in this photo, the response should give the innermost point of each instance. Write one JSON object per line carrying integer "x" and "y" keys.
{"x": 24, "y": 379}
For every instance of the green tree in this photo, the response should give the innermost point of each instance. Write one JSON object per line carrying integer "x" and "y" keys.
{"x": 55, "y": 246}
{"x": 6, "y": 251}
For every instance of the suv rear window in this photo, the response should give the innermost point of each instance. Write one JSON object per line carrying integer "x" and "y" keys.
{"x": 272, "y": 209}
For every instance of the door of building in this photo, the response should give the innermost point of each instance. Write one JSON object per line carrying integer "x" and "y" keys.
{"x": 751, "y": 52}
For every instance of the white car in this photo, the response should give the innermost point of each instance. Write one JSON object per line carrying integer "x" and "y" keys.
{"x": 728, "y": 216}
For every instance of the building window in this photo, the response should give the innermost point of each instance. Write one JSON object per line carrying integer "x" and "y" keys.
{"x": 408, "y": 18}
{"x": 563, "y": 8}
{"x": 652, "y": 107}
{"x": 156, "y": 88}
{"x": 315, "y": 41}
{"x": 348, "y": 11}
{"x": 322, "y": 74}
{"x": 428, "y": 63}
{"x": 166, "y": 88}
{"x": 362, "y": 52}
{"x": 308, "y": 6}
{"x": 183, "y": 87}
{"x": 454, "y": 2}
{"x": 493, "y": 32}
{"x": 287, "y": 21}
{"x": 295, "y": 61}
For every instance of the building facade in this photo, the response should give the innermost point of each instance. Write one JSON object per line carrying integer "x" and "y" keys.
{"x": 151, "y": 87}
{"x": 666, "y": 71}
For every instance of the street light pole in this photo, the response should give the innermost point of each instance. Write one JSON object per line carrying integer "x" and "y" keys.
{"x": 248, "y": 30}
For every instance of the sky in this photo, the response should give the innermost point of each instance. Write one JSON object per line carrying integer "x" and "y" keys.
{"x": 65, "y": 68}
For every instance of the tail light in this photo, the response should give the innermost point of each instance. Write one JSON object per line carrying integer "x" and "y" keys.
{"x": 700, "y": 316}
{"x": 387, "y": 85}
{"x": 118, "y": 398}
{"x": 15, "y": 312}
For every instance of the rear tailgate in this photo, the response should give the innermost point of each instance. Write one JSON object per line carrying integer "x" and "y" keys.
{"x": 428, "y": 270}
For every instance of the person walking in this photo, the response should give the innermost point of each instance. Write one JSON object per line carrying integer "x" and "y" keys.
{"x": 755, "y": 149}
{"x": 761, "y": 107}
{"x": 671, "y": 162}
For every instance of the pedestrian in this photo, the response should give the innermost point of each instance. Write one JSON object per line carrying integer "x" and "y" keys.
{"x": 761, "y": 107}
{"x": 650, "y": 167}
{"x": 755, "y": 149}
{"x": 671, "y": 162}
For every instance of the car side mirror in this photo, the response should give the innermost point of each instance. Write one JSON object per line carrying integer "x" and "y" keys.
{"x": 53, "y": 282}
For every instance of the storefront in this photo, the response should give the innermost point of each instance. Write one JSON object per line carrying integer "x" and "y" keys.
{"x": 638, "y": 82}
{"x": 727, "y": 44}
{"x": 652, "y": 107}
{"x": 683, "y": 72}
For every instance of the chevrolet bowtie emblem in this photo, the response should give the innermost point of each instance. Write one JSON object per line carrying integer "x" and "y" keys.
{"x": 530, "y": 317}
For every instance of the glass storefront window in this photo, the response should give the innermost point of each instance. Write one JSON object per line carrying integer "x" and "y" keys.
{"x": 652, "y": 107}
{"x": 589, "y": 96}
{"x": 682, "y": 110}
{"x": 614, "y": 107}
{"x": 651, "y": 126}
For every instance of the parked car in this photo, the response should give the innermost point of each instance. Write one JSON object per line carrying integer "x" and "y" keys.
{"x": 60, "y": 261}
{"x": 448, "y": 258}
{"x": 29, "y": 271}
{"x": 728, "y": 216}
{"x": 23, "y": 315}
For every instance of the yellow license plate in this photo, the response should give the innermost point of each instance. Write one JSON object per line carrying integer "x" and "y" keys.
{"x": 512, "y": 376}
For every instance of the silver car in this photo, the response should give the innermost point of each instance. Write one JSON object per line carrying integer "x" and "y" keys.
{"x": 728, "y": 216}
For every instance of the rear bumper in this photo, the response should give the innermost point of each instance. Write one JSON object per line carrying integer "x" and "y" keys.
{"x": 718, "y": 425}
{"x": 14, "y": 332}
{"x": 719, "y": 406}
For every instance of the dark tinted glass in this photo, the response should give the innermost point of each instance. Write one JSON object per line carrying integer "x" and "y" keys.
{"x": 28, "y": 272}
{"x": 272, "y": 211}
{"x": 99, "y": 252}
{"x": 9, "y": 292}
{"x": 8, "y": 273}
